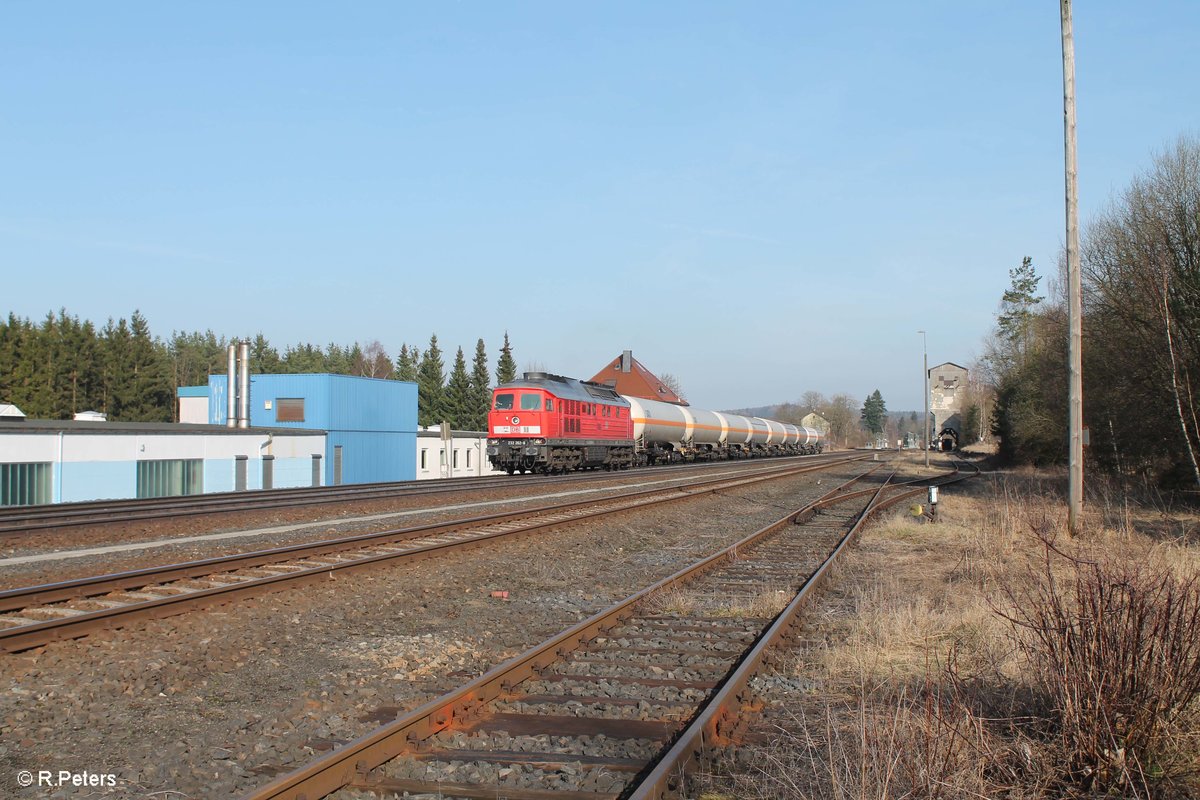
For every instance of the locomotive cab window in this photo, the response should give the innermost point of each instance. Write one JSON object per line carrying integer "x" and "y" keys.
{"x": 549, "y": 404}
{"x": 531, "y": 402}
{"x": 504, "y": 402}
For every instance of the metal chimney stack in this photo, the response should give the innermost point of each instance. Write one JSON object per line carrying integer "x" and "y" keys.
{"x": 231, "y": 389}
{"x": 244, "y": 386}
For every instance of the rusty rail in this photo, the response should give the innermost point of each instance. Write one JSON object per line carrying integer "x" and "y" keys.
{"x": 33, "y": 633}
{"x": 713, "y": 727}
{"x": 18, "y": 521}
{"x": 351, "y": 763}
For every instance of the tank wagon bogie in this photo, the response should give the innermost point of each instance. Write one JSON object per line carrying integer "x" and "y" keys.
{"x": 548, "y": 423}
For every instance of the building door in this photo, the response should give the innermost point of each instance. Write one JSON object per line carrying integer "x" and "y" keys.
{"x": 337, "y": 465}
{"x": 316, "y": 469}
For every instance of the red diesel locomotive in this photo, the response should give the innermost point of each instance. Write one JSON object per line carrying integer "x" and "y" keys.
{"x": 548, "y": 423}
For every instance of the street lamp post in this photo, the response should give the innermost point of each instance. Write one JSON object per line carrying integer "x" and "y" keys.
{"x": 925, "y": 389}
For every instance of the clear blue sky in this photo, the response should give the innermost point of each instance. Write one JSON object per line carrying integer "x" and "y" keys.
{"x": 760, "y": 198}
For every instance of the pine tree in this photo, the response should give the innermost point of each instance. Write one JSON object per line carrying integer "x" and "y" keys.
{"x": 481, "y": 392}
{"x": 506, "y": 365}
{"x": 153, "y": 394}
{"x": 352, "y": 358}
{"x": 340, "y": 360}
{"x": 458, "y": 394}
{"x": 303, "y": 359}
{"x": 118, "y": 372}
{"x": 83, "y": 365}
{"x": 18, "y": 375}
{"x": 874, "y": 413}
{"x": 1017, "y": 307}
{"x": 264, "y": 359}
{"x": 431, "y": 383}
{"x": 406, "y": 363}
{"x": 197, "y": 355}
{"x": 52, "y": 368}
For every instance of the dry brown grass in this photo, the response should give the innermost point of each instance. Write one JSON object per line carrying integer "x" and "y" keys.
{"x": 673, "y": 600}
{"x": 927, "y": 689}
{"x": 764, "y": 601}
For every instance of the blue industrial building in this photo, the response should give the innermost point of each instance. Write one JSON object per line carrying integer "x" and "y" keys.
{"x": 371, "y": 424}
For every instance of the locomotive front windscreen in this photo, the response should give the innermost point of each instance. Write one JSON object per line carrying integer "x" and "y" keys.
{"x": 530, "y": 401}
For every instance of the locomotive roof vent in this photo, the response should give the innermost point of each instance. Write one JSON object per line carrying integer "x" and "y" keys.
{"x": 545, "y": 376}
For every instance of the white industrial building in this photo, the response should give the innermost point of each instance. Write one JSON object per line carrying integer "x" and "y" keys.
{"x": 467, "y": 454}
{"x": 56, "y": 461}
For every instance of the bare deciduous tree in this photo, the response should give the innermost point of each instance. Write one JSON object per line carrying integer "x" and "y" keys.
{"x": 374, "y": 362}
{"x": 1141, "y": 267}
{"x": 671, "y": 382}
{"x": 841, "y": 412}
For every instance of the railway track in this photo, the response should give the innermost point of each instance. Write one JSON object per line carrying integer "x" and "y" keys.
{"x": 623, "y": 704}
{"x": 17, "y": 522}
{"x": 37, "y": 615}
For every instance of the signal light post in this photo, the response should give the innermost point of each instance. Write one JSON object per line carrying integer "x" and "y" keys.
{"x": 925, "y": 387}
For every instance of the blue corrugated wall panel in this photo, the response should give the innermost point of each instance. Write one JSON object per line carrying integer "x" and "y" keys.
{"x": 313, "y": 388}
{"x": 374, "y": 421}
{"x": 217, "y": 384}
{"x": 370, "y": 404}
{"x": 373, "y": 456}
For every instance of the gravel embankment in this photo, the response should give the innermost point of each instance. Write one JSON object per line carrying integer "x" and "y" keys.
{"x": 211, "y": 704}
{"x": 275, "y": 529}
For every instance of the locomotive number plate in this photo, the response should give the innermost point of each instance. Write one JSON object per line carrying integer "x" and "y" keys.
{"x": 530, "y": 429}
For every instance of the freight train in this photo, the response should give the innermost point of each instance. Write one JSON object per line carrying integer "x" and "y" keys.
{"x": 547, "y": 423}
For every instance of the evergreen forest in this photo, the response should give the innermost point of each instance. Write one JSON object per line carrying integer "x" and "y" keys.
{"x": 63, "y": 365}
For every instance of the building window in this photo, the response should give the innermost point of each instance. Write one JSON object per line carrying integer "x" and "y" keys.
{"x": 289, "y": 409}
{"x": 468, "y": 459}
{"x": 424, "y": 451}
{"x": 25, "y": 484}
{"x": 442, "y": 457}
{"x": 454, "y": 458}
{"x": 170, "y": 477}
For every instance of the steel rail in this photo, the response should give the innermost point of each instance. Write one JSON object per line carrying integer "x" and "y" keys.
{"x": 16, "y": 521}
{"x": 77, "y": 623}
{"x": 723, "y": 716}
{"x": 351, "y": 762}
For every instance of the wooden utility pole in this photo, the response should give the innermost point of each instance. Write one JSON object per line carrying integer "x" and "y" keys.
{"x": 1074, "y": 285}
